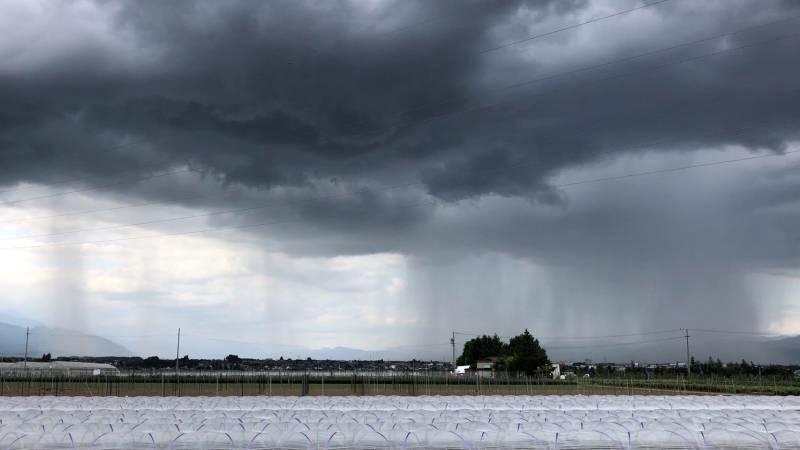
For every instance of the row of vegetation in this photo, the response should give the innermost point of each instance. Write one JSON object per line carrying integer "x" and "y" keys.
{"x": 521, "y": 354}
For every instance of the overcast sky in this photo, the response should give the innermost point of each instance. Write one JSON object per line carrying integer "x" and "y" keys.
{"x": 375, "y": 174}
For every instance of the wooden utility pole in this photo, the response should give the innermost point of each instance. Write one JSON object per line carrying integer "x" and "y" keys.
{"x": 688, "y": 358}
{"x": 177, "y": 358}
{"x": 27, "y": 334}
{"x": 453, "y": 344}
{"x": 178, "y": 352}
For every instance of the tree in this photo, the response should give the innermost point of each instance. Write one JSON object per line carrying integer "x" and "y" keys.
{"x": 522, "y": 354}
{"x": 233, "y": 359}
{"x": 526, "y": 354}
{"x": 482, "y": 347}
{"x": 151, "y": 362}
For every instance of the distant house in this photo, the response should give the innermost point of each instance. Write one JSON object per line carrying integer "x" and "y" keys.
{"x": 57, "y": 368}
{"x": 485, "y": 367}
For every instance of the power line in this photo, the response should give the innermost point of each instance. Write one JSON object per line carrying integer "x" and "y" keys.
{"x": 562, "y": 185}
{"x": 27, "y": 335}
{"x": 534, "y": 37}
{"x": 676, "y": 169}
{"x": 200, "y": 215}
{"x": 155, "y": 236}
{"x": 148, "y": 222}
{"x": 413, "y": 25}
{"x": 748, "y": 333}
{"x": 608, "y": 336}
{"x": 688, "y": 358}
{"x": 528, "y": 38}
{"x": 94, "y": 188}
{"x": 517, "y": 85}
{"x": 726, "y": 130}
{"x": 437, "y": 344}
{"x": 605, "y": 64}
{"x": 614, "y": 344}
{"x": 110, "y": 208}
{"x": 557, "y": 75}
{"x": 193, "y": 197}
{"x": 260, "y": 224}
{"x": 132, "y": 143}
{"x": 178, "y": 351}
{"x": 569, "y": 27}
{"x": 663, "y": 142}
{"x": 415, "y": 122}
{"x": 116, "y": 172}
{"x": 442, "y": 344}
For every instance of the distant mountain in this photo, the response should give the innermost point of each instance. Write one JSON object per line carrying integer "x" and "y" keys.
{"x": 19, "y": 320}
{"x": 727, "y": 347}
{"x": 347, "y": 354}
{"x": 12, "y": 340}
{"x": 56, "y": 341}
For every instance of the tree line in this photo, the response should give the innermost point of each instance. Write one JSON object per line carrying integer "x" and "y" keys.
{"x": 522, "y": 353}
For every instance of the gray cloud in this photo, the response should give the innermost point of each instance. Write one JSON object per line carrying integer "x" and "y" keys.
{"x": 389, "y": 128}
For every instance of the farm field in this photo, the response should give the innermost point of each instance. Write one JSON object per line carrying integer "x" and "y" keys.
{"x": 360, "y": 422}
{"x": 315, "y": 385}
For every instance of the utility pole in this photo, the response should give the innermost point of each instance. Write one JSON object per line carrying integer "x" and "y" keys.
{"x": 178, "y": 352}
{"x": 688, "y": 367}
{"x": 453, "y": 344}
{"x": 27, "y": 333}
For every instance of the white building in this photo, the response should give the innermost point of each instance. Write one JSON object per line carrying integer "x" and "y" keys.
{"x": 461, "y": 370}
{"x": 58, "y": 368}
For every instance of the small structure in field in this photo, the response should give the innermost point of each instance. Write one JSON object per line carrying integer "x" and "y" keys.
{"x": 461, "y": 370}
{"x": 485, "y": 367}
{"x": 57, "y": 368}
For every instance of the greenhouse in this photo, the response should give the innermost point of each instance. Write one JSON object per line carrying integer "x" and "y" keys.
{"x": 447, "y": 422}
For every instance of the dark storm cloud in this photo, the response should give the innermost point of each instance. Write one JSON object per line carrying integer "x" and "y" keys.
{"x": 277, "y": 93}
{"x": 256, "y": 83}
{"x": 387, "y": 121}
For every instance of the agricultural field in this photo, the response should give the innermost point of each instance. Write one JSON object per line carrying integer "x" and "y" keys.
{"x": 316, "y": 384}
{"x": 377, "y": 422}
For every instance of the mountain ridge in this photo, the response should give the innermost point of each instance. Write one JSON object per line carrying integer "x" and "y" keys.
{"x": 56, "y": 341}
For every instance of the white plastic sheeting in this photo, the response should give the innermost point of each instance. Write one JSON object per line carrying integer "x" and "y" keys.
{"x": 479, "y": 422}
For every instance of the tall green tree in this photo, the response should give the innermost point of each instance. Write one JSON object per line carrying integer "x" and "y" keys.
{"x": 482, "y": 347}
{"x": 527, "y": 355}
{"x": 523, "y": 353}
